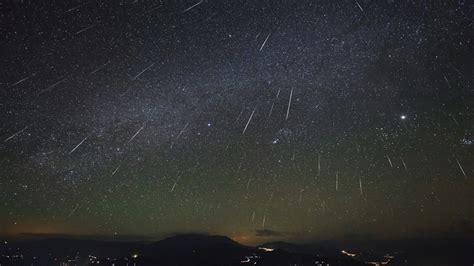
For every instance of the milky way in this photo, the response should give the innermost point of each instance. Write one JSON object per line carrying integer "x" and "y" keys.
{"x": 309, "y": 119}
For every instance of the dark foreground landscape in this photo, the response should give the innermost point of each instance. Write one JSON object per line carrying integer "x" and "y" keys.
{"x": 193, "y": 249}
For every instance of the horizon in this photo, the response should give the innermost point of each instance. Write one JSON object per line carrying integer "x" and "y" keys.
{"x": 204, "y": 249}
{"x": 256, "y": 120}
{"x": 150, "y": 239}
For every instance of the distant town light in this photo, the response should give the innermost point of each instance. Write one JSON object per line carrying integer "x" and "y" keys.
{"x": 348, "y": 254}
{"x": 266, "y": 249}
{"x": 246, "y": 260}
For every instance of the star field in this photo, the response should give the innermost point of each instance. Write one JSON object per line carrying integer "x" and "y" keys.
{"x": 309, "y": 119}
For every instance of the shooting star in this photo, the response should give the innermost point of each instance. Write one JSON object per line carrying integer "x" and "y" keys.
{"x": 264, "y": 218}
{"x": 16, "y": 134}
{"x": 193, "y": 6}
{"x": 73, "y": 8}
{"x": 175, "y": 183}
{"x": 319, "y": 164}
{"x": 337, "y": 180}
{"x": 52, "y": 86}
{"x": 271, "y": 110}
{"x": 99, "y": 68}
{"x": 454, "y": 119}
{"x": 238, "y": 117}
{"x": 136, "y": 134}
{"x": 182, "y": 131}
{"x": 115, "y": 171}
{"x": 73, "y": 211}
{"x": 248, "y": 122}
{"x": 85, "y": 29}
{"x": 360, "y": 7}
{"x": 273, "y": 103}
{"x": 240, "y": 166}
{"x": 289, "y": 105}
{"x": 80, "y": 143}
{"x": 248, "y": 186}
{"x": 457, "y": 70}
{"x": 248, "y": 183}
{"x": 360, "y": 185}
{"x": 460, "y": 167}
{"x": 389, "y": 161}
{"x": 264, "y": 42}
{"x": 143, "y": 71}
{"x": 404, "y": 165}
{"x": 447, "y": 81}
{"x": 24, "y": 79}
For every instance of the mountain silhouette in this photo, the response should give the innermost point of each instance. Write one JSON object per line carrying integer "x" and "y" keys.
{"x": 194, "y": 249}
{"x": 181, "y": 249}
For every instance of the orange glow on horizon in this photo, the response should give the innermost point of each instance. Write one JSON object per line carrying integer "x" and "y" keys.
{"x": 32, "y": 228}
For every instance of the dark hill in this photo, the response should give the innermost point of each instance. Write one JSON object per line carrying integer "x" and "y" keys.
{"x": 218, "y": 250}
{"x": 193, "y": 249}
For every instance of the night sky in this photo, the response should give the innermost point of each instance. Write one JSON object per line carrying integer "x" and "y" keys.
{"x": 258, "y": 120}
